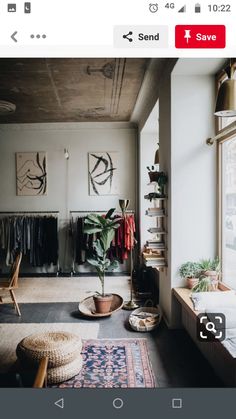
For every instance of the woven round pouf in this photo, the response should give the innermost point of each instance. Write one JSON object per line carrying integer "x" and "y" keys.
{"x": 61, "y": 348}
{"x": 65, "y": 372}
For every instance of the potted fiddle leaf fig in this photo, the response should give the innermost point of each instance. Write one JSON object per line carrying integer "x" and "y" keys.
{"x": 105, "y": 227}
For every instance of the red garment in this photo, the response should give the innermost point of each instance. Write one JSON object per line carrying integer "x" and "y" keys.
{"x": 124, "y": 239}
{"x": 129, "y": 232}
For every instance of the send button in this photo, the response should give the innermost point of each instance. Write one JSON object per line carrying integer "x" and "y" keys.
{"x": 141, "y": 36}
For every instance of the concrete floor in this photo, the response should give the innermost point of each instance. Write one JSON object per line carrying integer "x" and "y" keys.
{"x": 175, "y": 359}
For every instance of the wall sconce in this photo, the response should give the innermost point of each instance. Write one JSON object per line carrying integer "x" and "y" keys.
{"x": 226, "y": 98}
{"x": 66, "y": 154}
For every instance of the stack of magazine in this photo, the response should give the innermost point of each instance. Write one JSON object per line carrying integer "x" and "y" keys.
{"x": 153, "y": 254}
{"x": 155, "y": 212}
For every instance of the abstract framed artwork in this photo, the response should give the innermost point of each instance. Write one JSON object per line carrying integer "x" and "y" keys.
{"x": 103, "y": 173}
{"x": 31, "y": 174}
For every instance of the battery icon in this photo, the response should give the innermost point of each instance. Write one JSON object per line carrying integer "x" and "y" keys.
{"x": 197, "y": 8}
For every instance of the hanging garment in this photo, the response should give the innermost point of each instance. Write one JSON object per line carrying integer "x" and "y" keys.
{"x": 121, "y": 245}
{"x": 36, "y": 237}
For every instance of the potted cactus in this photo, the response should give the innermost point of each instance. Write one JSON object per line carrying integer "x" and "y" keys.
{"x": 105, "y": 227}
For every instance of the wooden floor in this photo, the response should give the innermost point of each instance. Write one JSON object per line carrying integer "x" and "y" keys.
{"x": 175, "y": 359}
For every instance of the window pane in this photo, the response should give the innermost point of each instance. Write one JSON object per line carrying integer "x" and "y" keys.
{"x": 229, "y": 211}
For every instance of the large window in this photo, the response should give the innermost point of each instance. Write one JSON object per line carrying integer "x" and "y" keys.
{"x": 228, "y": 209}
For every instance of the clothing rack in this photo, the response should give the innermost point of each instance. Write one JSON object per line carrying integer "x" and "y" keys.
{"x": 29, "y": 212}
{"x": 36, "y": 213}
{"x": 86, "y": 212}
{"x": 101, "y": 212}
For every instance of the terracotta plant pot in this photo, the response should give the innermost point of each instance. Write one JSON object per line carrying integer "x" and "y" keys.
{"x": 153, "y": 176}
{"x": 214, "y": 277}
{"x": 191, "y": 282}
{"x": 103, "y": 304}
{"x": 212, "y": 274}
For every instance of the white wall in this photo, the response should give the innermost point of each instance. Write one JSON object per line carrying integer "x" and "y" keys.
{"x": 186, "y": 121}
{"x": 67, "y": 181}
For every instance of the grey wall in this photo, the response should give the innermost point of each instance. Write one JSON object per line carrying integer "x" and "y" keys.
{"x": 67, "y": 180}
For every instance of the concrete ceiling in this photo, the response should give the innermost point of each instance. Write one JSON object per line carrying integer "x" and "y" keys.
{"x": 71, "y": 90}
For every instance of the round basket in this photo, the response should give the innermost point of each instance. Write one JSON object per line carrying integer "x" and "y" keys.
{"x": 61, "y": 348}
{"x": 137, "y": 314}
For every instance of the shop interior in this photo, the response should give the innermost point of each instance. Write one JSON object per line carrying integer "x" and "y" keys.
{"x": 117, "y": 222}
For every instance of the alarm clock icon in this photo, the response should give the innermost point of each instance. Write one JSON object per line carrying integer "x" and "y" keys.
{"x": 153, "y": 7}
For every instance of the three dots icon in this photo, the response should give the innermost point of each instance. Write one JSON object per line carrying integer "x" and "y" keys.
{"x": 38, "y": 36}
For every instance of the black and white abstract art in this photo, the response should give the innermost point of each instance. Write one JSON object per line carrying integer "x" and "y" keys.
{"x": 31, "y": 174}
{"x": 103, "y": 173}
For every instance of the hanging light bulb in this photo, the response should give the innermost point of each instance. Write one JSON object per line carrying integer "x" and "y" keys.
{"x": 226, "y": 98}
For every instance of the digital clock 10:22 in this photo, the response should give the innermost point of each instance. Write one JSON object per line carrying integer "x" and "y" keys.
{"x": 219, "y": 7}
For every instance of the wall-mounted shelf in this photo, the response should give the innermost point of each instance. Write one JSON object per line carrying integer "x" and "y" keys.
{"x": 154, "y": 256}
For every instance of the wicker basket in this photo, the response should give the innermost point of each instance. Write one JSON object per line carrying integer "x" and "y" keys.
{"x": 61, "y": 348}
{"x": 148, "y": 310}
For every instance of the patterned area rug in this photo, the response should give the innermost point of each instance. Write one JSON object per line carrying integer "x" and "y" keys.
{"x": 116, "y": 363}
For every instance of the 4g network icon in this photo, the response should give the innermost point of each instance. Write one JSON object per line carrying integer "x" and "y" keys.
{"x": 200, "y": 36}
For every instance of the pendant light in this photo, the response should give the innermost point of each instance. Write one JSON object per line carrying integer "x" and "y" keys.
{"x": 226, "y": 98}
{"x": 157, "y": 156}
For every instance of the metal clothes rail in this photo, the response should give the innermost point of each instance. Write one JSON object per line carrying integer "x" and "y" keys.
{"x": 36, "y": 213}
{"x": 86, "y": 212}
{"x": 29, "y": 212}
{"x": 100, "y": 212}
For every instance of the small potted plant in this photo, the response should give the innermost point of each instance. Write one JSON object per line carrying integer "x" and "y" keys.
{"x": 105, "y": 227}
{"x": 190, "y": 271}
{"x": 203, "y": 285}
{"x": 153, "y": 172}
{"x": 211, "y": 269}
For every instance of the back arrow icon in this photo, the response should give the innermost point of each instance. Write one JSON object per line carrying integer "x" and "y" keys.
{"x": 60, "y": 403}
{"x": 13, "y": 36}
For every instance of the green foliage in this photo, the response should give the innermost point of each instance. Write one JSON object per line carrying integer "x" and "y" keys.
{"x": 204, "y": 285}
{"x": 210, "y": 265}
{"x": 190, "y": 270}
{"x": 106, "y": 227}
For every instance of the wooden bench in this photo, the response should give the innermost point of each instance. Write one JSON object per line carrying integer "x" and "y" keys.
{"x": 223, "y": 363}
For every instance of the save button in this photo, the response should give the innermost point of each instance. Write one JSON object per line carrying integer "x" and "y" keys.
{"x": 200, "y": 36}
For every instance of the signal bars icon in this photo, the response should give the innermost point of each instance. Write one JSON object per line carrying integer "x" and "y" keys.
{"x": 183, "y": 9}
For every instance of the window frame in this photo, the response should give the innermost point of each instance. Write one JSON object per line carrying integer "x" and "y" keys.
{"x": 223, "y": 135}
{"x": 220, "y": 142}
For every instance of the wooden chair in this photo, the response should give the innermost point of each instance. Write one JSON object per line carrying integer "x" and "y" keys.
{"x": 12, "y": 283}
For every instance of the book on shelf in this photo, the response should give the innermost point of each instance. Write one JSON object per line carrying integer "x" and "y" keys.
{"x": 153, "y": 243}
{"x": 153, "y": 256}
{"x": 155, "y": 211}
{"x": 156, "y": 230}
{"x": 152, "y": 250}
{"x": 150, "y": 262}
{"x": 155, "y": 214}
